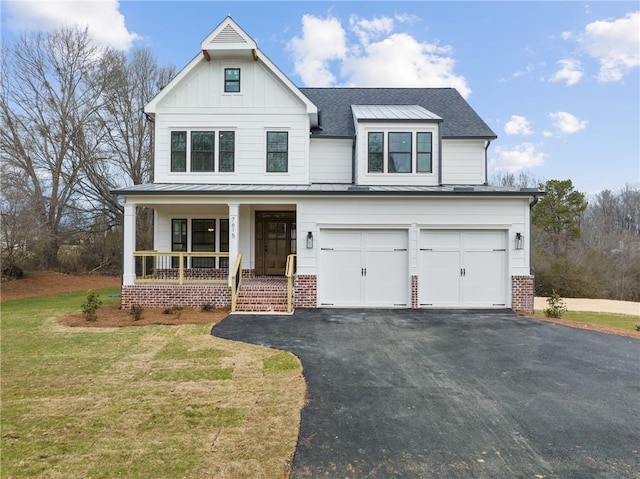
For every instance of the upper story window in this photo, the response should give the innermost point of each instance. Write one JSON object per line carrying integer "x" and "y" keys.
{"x": 232, "y": 80}
{"x": 178, "y": 151}
{"x": 399, "y": 157}
{"x": 277, "y": 151}
{"x": 404, "y": 152}
{"x": 201, "y": 150}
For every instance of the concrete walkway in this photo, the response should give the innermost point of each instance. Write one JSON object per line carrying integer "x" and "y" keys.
{"x": 594, "y": 305}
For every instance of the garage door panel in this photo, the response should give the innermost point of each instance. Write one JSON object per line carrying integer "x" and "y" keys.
{"x": 363, "y": 268}
{"x": 439, "y": 278}
{"x": 465, "y": 268}
{"x": 483, "y": 281}
{"x": 340, "y": 278}
{"x": 386, "y": 278}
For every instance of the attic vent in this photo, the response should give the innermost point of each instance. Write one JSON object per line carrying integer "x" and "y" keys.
{"x": 228, "y": 35}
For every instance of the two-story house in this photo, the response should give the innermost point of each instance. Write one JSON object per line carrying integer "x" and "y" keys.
{"x": 355, "y": 197}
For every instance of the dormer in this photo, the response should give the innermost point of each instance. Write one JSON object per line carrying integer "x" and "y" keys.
{"x": 396, "y": 144}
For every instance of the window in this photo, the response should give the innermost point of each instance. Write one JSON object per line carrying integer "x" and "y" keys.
{"x": 203, "y": 238}
{"x": 178, "y": 151}
{"x": 376, "y": 152}
{"x": 423, "y": 152}
{"x": 202, "y": 151}
{"x": 224, "y": 242}
{"x": 231, "y": 80}
{"x": 178, "y": 239}
{"x": 226, "y": 151}
{"x": 277, "y": 151}
{"x": 399, "y": 159}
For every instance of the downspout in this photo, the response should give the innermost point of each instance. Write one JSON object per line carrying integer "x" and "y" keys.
{"x": 440, "y": 154}
{"x": 486, "y": 163}
{"x": 536, "y": 198}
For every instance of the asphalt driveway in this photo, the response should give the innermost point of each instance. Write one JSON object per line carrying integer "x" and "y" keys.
{"x": 456, "y": 394}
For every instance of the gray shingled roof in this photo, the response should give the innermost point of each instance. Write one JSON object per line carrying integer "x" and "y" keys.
{"x": 459, "y": 119}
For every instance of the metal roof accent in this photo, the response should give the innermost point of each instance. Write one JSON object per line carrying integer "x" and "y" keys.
{"x": 392, "y": 112}
{"x": 187, "y": 189}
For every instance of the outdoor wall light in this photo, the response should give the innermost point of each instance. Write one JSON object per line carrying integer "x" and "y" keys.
{"x": 309, "y": 240}
{"x": 519, "y": 241}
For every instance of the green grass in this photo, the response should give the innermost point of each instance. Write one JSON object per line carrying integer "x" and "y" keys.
{"x": 138, "y": 402}
{"x": 281, "y": 362}
{"x": 622, "y": 321}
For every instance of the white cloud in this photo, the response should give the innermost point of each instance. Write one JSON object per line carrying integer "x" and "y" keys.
{"x": 323, "y": 40}
{"x": 518, "y": 125}
{"x": 103, "y": 18}
{"x": 615, "y": 44}
{"x": 374, "y": 55}
{"x": 516, "y": 158}
{"x": 570, "y": 73}
{"x": 566, "y": 123}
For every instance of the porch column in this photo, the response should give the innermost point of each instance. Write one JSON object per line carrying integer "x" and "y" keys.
{"x": 234, "y": 226}
{"x": 129, "y": 244}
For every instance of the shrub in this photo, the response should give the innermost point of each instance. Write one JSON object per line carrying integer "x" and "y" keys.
{"x": 637, "y": 327}
{"x": 556, "y": 306}
{"x": 136, "y": 311}
{"x": 208, "y": 307}
{"x": 91, "y": 305}
{"x": 177, "y": 311}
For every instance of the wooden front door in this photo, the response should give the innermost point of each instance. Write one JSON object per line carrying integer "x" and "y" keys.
{"x": 275, "y": 240}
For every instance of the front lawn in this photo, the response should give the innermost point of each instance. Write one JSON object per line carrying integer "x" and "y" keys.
{"x": 138, "y": 402}
{"x": 622, "y": 321}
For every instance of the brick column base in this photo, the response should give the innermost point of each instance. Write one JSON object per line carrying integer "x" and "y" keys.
{"x": 305, "y": 291}
{"x": 522, "y": 293}
{"x": 414, "y": 291}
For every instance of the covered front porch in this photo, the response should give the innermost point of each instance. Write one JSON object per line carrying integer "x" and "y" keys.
{"x": 238, "y": 255}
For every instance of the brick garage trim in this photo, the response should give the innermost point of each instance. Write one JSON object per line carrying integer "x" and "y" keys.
{"x": 166, "y": 296}
{"x": 305, "y": 291}
{"x": 414, "y": 291}
{"x": 522, "y": 292}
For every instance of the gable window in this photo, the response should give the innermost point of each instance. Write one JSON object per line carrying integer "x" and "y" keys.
{"x": 178, "y": 151}
{"x": 202, "y": 143}
{"x": 226, "y": 151}
{"x": 277, "y": 151}
{"x": 423, "y": 152}
{"x": 399, "y": 158}
{"x": 203, "y": 238}
{"x": 232, "y": 80}
{"x": 376, "y": 152}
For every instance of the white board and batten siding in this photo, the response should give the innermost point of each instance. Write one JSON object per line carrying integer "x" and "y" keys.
{"x": 463, "y": 162}
{"x": 198, "y": 103}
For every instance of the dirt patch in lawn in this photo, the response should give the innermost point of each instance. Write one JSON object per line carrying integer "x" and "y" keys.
{"x": 50, "y": 282}
{"x": 111, "y": 316}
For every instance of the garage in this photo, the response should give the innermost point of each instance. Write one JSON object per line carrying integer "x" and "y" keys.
{"x": 363, "y": 268}
{"x": 462, "y": 268}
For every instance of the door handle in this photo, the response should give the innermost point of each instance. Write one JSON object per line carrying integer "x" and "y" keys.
{"x": 463, "y": 272}
{"x": 363, "y": 271}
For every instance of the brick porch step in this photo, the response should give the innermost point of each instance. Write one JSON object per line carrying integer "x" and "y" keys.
{"x": 259, "y": 295}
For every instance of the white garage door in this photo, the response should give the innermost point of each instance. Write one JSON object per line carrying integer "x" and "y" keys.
{"x": 363, "y": 268}
{"x": 462, "y": 269}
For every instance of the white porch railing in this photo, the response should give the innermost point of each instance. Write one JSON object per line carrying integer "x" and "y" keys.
{"x": 236, "y": 281}
{"x": 178, "y": 267}
{"x": 290, "y": 272}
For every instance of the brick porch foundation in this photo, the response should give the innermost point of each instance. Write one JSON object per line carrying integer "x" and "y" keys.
{"x": 168, "y": 295}
{"x": 522, "y": 293}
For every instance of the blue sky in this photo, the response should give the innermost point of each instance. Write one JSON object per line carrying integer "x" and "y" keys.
{"x": 557, "y": 81}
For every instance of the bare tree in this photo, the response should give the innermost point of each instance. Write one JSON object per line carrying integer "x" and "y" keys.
{"x": 52, "y": 88}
